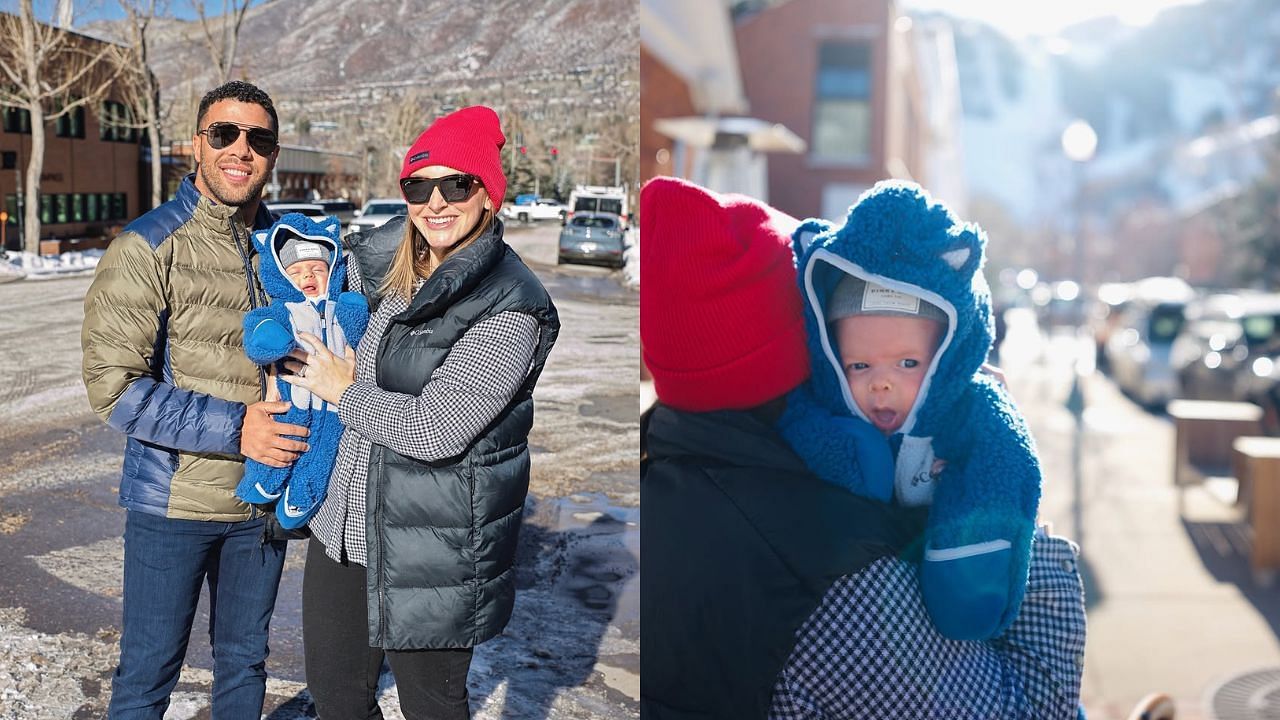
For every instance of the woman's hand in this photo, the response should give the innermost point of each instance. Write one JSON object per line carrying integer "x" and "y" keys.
{"x": 326, "y": 375}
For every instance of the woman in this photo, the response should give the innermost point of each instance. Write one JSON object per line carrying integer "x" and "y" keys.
{"x": 433, "y": 467}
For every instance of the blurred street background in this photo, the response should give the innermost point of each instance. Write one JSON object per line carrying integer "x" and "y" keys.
{"x": 1123, "y": 160}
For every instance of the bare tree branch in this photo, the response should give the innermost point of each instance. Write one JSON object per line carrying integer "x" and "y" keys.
{"x": 140, "y": 90}
{"x": 49, "y": 73}
{"x": 222, "y": 49}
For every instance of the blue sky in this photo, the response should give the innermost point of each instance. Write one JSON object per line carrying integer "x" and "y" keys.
{"x": 87, "y": 11}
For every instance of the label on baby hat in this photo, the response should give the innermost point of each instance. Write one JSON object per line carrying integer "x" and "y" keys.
{"x": 882, "y": 298}
{"x": 309, "y": 251}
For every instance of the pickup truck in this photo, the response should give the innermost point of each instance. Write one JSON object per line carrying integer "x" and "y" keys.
{"x": 537, "y": 210}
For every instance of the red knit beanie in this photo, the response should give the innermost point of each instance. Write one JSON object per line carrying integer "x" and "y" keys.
{"x": 721, "y": 325}
{"x": 468, "y": 140}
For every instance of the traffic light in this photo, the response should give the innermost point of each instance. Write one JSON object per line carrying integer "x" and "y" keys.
{"x": 555, "y": 153}
{"x": 524, "y": 150}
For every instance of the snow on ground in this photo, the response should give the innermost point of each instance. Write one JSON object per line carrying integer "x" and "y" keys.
{"x": 632, "y": 270}
{"x": 38, "y": 267}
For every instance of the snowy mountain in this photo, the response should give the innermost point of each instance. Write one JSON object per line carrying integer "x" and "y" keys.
{"x": 335, "y": 67}
{"x": 1197, "y": 71}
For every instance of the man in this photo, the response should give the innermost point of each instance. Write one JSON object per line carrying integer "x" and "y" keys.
{"x": 164, "y": 363}
{"x": 769, "y": 593}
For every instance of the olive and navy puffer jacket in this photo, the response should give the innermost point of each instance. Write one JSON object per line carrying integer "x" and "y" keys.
{"x": 164, "y": 359}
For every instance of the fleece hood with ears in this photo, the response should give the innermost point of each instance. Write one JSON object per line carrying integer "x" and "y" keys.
{"x": 896, "y": 236}
{"x": 983, "y": 501}
{"x": 322, "y": 231}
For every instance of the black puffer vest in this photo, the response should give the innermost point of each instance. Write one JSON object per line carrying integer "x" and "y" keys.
{"x": 442, "y": 535}
{"x": 741, "y": 545}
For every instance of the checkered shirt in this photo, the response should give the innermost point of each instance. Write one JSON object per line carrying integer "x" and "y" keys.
{"x": 475, "y": 382}
{"x": 870, "y": 651}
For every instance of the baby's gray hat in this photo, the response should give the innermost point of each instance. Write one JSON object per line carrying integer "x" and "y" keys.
{"x": 855, "y": 296}
{"x": 296, "y": 249}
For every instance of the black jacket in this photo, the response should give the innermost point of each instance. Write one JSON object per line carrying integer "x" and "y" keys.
{"x": 442, "y": 535}
{"x": 740, "y": 545}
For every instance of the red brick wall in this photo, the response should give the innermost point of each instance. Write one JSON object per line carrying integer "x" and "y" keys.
{"x": 662, "y": 95}
{"x": 778, "y": 51}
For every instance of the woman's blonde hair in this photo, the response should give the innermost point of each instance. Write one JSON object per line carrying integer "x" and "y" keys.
{"x": 413, "y": 260}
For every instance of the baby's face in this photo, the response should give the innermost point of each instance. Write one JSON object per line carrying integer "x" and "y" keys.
{"x": 311, "y": 277}
{"x": 885, "y": 359}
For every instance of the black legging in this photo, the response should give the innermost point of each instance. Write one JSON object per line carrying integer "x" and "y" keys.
{"x": 342, "y": 670}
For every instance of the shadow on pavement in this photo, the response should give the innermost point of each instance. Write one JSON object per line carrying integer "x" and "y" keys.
{"x": 1224, "y": 549}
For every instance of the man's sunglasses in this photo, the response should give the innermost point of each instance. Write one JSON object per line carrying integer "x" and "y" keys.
{"x": 453, "y": 188}
{"x": 225, "y": 134}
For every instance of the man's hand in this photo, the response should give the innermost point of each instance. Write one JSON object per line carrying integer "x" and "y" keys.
{"x": 263, "y": 439}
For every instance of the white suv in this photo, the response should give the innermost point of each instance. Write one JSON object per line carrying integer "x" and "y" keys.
{"x": 378, "y": 211}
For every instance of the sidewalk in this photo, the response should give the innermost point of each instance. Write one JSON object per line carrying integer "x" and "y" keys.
{"x": 1171, "y": 604}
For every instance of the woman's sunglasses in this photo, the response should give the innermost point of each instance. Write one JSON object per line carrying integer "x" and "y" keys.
{"x": 453, "y": 188}
{"x": 225, "y": 134}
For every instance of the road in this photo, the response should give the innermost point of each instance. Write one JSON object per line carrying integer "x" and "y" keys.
{"x": 572, "y": 648}
{"x": 1171, "y": 604}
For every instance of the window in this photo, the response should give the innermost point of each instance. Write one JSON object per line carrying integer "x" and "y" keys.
{"x": 17, "y": 120}
{"x": 842, "y": 103}
{"x": 61, "y": 204}
{"x": 118, "y": 208}
{"x": 46, "y": 209}
{"x": 594, "y": 221}
{"x": 77, "y": 207}
{"x": 104, "y": 206}
{"x": 594, "y": 204}
{"x": 91, "y": 208}
{"x": 115, "y": 122}
{"x": 70, "y": 125}
{"x": 11, "y": 207}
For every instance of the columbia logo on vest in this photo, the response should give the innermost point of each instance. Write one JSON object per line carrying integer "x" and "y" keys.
{"x": 421, "y": 331}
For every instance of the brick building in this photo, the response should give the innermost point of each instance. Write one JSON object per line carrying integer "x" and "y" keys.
{"x": 92, "y": 180}
{"x": 842, "y": 76}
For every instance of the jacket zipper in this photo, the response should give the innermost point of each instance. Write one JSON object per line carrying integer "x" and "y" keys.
{"x": 254, "y": 300}
{"x": 377, "y": 524}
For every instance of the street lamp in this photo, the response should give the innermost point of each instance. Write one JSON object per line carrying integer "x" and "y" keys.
{"x": 1079, "y": 142}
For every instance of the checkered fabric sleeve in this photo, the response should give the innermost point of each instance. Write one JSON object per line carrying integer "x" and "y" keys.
{"x": 870, "y": 651}
{"x": 484, "y": 369}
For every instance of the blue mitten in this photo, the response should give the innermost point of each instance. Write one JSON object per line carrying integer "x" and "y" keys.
{"x": 266, "y": 338}
{"x": 844, "y": 451}
{"x": 353, "y": 316}
{"x": 978, "y": 539}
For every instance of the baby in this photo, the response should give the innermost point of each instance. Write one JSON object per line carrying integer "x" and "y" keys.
{"x": 896, "y": 408}
{"x": 302, "y": 268}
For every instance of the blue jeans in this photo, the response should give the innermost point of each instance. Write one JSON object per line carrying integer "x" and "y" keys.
{"x": 165, "y": 563}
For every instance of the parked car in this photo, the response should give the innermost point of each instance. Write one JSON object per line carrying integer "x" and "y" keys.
{"x": 593, "y": 238}
{"x": 1228, "y": 348}
{"x": 540, "y": 209}
{"x": 377, "y": 211}
{"x": 1139, "y": 346}
{"x": 344, "y": 210}
{"x": 283, "y": 207}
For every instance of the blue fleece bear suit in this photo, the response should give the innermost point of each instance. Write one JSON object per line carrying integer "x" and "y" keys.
{"x": 270, "y": 333}
{"x": 983, "y": 506}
